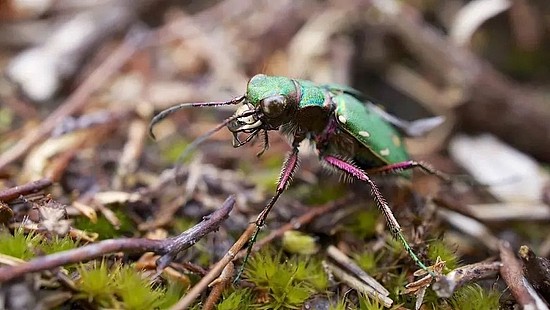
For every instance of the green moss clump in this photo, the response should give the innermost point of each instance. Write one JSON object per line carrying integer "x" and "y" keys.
{"x": 96, "y": 284}
{"x": 123, "y": 287}
{"x": 19, "y": 245}
{"x": 366, "y": 303}
{"x": 340, "y": 305}
{"x": 135, "y": 291}
{"x": 474, "y": 297}
{"x": 237, "y": 299}
{"x": 368, "y": 261}
{"x": 57, "y": 244}
{"x": 363, "y": 224}
{"x": 438, "y": 248}
{"x": 172, "y": 294}
{"x": 288, "y": 283}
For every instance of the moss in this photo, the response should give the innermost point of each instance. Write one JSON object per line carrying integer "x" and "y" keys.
{"x": 96, "y": 283}
{"x": 363, "y": 223}
{"x": 57, "y": 244}
{"x": 174, "y": 291}
{"x": 474, "y": 297}
{"x": 396, "y": 285}
{"x": 135, "y": 291}
{"x": 438, "y": 248}
{"x": 366, "y": 303}
{"x": 124, "y": 287}
{"x": 288, "y": 283}
{"x": 19, "y": 245}
{"x": 368, "y": 261}
{"x": 237, "y": 299}
{"x": 340, "y": 305}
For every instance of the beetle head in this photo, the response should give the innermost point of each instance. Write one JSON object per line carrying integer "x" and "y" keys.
{"x": 270, "y": 102}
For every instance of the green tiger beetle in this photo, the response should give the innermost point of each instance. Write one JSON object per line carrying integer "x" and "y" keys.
{"x": 356, "y": 138}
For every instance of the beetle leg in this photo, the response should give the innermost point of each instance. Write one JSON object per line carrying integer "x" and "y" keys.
{"x": 410, "y": 164}
{"x": 289, "y": 167}
{"x": 393, "y": 225}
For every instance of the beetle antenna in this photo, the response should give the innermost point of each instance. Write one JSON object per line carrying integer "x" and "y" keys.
{"x": 165, "y": 113}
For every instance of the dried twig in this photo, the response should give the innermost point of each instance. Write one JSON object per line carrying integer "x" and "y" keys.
{"x": 10, "y": 194}
{"x": 537, "y": 271}
{"x": 512, "y": 274}
{"x": 219, "y": 286}
{"x": 357, "y": 284}
{"x": 447, "y": 284}
{"x": 342, "y": 259}
{"x": 169, "y": 247}
{"x": 196, "y": 290}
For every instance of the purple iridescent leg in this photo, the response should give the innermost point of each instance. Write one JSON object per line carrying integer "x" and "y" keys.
{"x": 289, "y": 167}
{"x": 393, "y": 225}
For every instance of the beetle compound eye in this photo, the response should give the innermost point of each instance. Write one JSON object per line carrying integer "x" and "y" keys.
{"x": 273, "y": 106}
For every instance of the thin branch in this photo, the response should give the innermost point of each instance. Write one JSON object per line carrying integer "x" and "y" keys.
{"x": 10, "y": 194}
{"x": 357, "y": 284}
{"x": 196, "y": 290}
{"x": 219, "y": 286}
{"x": 169, "y": 247}
{"x": 537, "y": 271}
{"x": 511, "y": 271}
{"x": 447, "y": 284}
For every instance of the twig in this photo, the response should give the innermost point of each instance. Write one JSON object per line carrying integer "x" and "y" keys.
{"x": 537, "y": 271}
{"x": 342, "y": 259}
{"x": 512, "y": 274}
{"x": 77, "y": 100}
{"x": 10, "y": 194}
{"x": 195, "y": 291}
{"x": 169, "y": 247}
{"x": 219, "y": 286}
{"x": 357, "y": 284}
{"x": 447, "y": 284}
